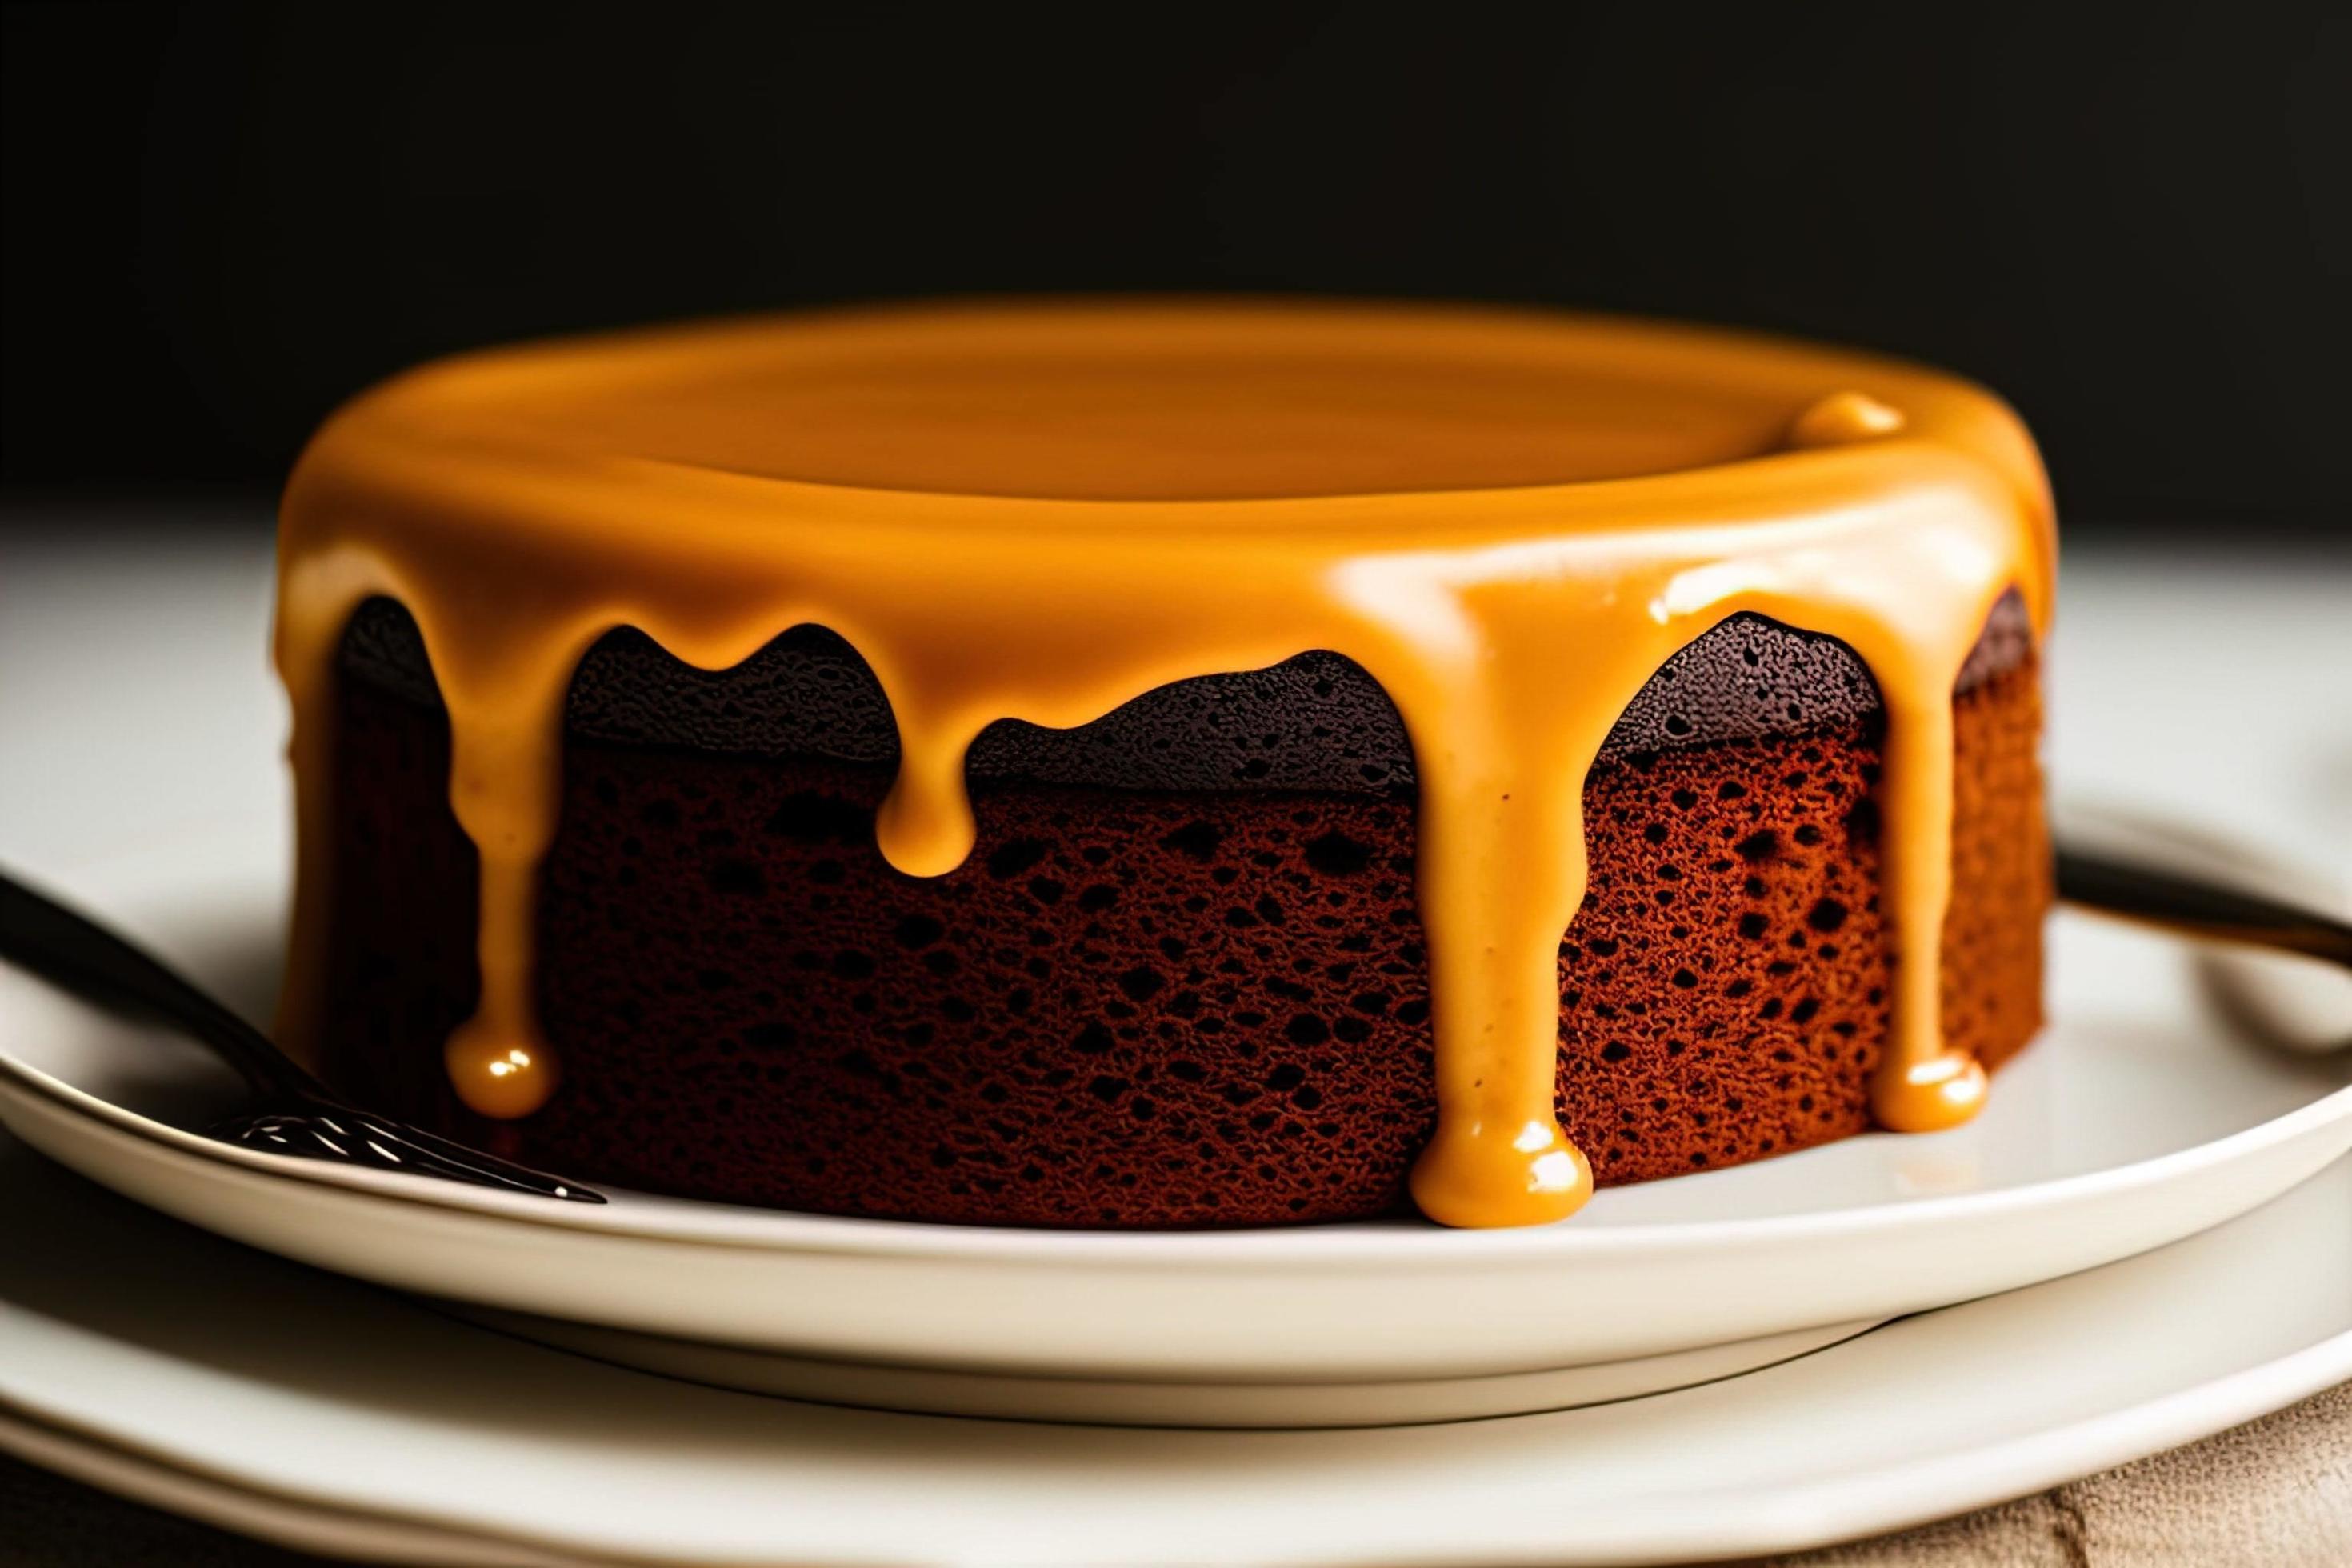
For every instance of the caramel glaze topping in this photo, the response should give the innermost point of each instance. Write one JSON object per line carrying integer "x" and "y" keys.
{"x": 1043, "y": 510}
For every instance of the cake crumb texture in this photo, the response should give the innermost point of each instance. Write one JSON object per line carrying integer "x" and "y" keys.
{"x": 1138, "y": 1008}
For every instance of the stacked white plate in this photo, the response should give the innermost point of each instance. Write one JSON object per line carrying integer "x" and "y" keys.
{"x": 2147, "y": 1236}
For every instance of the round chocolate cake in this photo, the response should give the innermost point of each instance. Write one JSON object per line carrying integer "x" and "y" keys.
{"x": 1182, "y": 974}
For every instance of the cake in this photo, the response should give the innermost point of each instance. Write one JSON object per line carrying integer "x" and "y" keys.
{"x": 1166, "y": 764}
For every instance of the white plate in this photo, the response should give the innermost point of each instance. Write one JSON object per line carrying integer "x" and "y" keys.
{"x": 150, "y": 1358}
{"x": 2135, "y": 1120}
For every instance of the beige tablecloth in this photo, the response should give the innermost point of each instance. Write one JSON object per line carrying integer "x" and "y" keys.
{"x": 2275, "y": 1493}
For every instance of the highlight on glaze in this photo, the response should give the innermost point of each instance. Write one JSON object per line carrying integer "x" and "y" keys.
{"x": 1040, "y": 512}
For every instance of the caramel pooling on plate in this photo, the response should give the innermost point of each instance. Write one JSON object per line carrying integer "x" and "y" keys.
{"x": 1042, "y": 511}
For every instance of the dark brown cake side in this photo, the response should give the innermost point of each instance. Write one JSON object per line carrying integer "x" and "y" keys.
{"x": 1146, "y": 1005}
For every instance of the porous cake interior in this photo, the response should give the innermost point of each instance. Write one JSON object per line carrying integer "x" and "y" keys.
{"x": 1182, "y": 980}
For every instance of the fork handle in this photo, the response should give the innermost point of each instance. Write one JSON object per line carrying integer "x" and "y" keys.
{"x": 2138, "y": 890}
{"x": 76, "y": 953}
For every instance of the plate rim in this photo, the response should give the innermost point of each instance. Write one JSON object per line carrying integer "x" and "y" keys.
{"x": 700, "y": 1223}
{"x": 211, "y": 1497}
{"x": 1854, "y": 1506}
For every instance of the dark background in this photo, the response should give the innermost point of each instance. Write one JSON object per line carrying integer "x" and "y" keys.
{"x": 2136, "y": 224}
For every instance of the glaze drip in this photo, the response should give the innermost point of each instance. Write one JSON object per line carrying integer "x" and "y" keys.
{"x": 1094, "y": 500}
